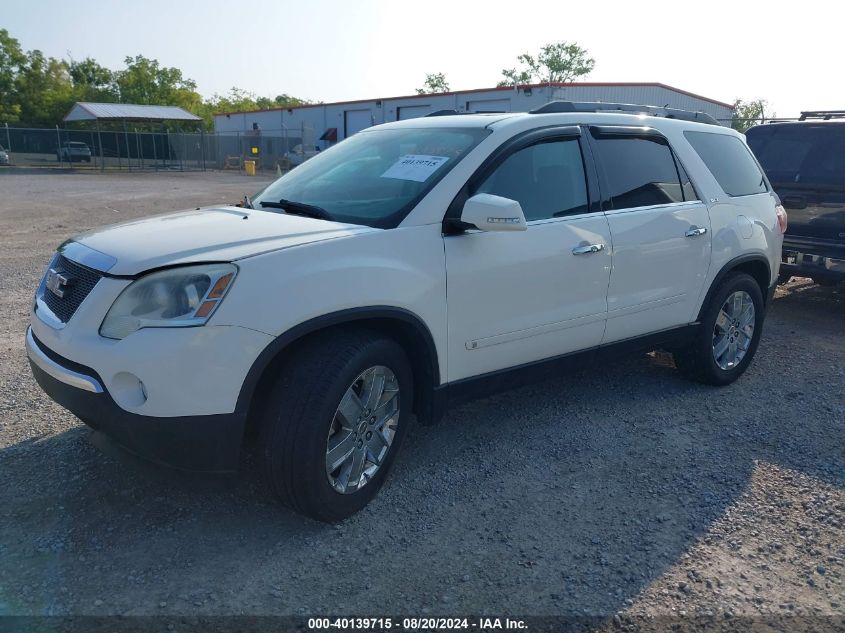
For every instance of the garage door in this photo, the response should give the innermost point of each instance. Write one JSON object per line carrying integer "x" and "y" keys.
{"x": 412, "y": 112}
{"x": 489, "y": 105}
{"x": 355, "y": 121}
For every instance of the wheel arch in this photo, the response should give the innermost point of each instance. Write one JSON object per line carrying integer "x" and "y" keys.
{"x": 753, "y": 264}
{"x": 405, "y": 327}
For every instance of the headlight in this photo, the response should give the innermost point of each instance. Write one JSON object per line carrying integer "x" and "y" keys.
{"x": 178, "y": 297}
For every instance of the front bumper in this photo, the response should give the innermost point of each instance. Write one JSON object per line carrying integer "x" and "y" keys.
{"x": 199, "y": 443}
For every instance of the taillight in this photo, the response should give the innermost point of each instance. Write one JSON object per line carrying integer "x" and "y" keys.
{"x": 782, "y": 218}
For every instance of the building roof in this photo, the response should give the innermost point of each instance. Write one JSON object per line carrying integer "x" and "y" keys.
{"x": 502, "y": 88}
{"x": 127, "y": 112}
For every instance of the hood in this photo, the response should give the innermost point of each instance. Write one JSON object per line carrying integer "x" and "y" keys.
{"x": 202, "y": 235}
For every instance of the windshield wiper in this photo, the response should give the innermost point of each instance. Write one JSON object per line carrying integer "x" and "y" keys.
{"x": 299, "y": 208}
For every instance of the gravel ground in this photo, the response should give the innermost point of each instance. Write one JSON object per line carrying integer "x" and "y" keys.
{"x": 620, "y": 490}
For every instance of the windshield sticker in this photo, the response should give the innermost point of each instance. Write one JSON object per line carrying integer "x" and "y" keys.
{"x": 416, "y": 167}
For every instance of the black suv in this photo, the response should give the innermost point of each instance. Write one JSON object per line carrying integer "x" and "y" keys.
{"x": 805, "y": 162}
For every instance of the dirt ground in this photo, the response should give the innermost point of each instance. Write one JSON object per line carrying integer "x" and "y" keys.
{"x": 622, "y": 491}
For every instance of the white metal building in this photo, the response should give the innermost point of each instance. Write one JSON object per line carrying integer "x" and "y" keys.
{"x": 326, "y": 123}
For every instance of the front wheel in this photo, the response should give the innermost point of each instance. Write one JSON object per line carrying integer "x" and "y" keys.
{"x": 731, "y": 326}
{"x": 335, "y": 419}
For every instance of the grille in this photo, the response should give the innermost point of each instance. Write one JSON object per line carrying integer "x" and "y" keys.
{"x": 82, "y": 281}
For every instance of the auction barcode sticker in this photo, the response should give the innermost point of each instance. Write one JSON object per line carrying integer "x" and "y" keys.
{"x": 416, "y": 167}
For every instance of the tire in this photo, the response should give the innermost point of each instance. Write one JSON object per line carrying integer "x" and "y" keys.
{"x": 302, "y": 417}
{"x": 698, "y": 360}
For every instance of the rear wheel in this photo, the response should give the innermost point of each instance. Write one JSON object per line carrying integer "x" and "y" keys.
{"x": 730, "y": 331}
{"x": 335, "y": 420}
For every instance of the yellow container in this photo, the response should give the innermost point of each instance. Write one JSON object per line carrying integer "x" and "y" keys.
{"x": 249, "y": 167}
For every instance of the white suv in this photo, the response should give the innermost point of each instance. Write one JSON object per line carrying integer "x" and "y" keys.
{"x": 415, "y": 264}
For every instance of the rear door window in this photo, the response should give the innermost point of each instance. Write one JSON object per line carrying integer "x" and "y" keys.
{"x": 730, "y": 162}
{"x": 806, "y": 153}
{"x": 640, "y": 171}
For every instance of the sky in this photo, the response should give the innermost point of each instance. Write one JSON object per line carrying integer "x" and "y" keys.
{"x": 334, "y": 50}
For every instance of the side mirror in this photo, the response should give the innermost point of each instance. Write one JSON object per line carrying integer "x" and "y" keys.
{"x": 493, "y": 213}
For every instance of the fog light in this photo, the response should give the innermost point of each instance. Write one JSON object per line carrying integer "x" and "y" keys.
{"x": 127, "y": 390}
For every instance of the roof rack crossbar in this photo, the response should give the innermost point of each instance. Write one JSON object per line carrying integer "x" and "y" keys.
{"x": 629, "y": 108}
{"x": 826, "y": 115}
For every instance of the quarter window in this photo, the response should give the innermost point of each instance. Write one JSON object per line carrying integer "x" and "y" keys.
{"x": 640, "y": 171}
{"x": 547, "y": 179}
{"x": 730, "y": 161}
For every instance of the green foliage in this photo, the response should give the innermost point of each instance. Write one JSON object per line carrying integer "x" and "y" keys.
{"x": 38, "y": 91}
{"x": 748, "y": 113}
{"x": 435, "y": 82}
{"x": 558, "y": 62}
{"x": 238, "y": 100}
{"x": 146, "y": 82}
{"x": 92, "y": 82}
{"x": 44, "y": 89}
{"x": 11, "y": 60}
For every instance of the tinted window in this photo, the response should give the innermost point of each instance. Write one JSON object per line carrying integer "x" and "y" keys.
{"x": 547, "y": 179}
{"x": 640, "y": 171}
{"x": 730, "y": 162}
{"x": 805, "y": 153}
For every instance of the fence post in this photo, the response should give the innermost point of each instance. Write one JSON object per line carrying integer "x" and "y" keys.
{"x": 8, "y": 139}
{"x": 100, "y": 140}
{"x": 117, "y": 145}
{"x": 128, "y": 153}
{"x": 59, "y": 146}
{"x": 138, "y": 147}
{"x": 155, "y": 154}
{"x": 202, "y": 147}
{"x": 93, "y": 155}
{"x": 169, "y": 157}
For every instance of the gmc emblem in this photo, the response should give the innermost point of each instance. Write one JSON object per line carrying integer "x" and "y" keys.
{"x": 57, "y": 282}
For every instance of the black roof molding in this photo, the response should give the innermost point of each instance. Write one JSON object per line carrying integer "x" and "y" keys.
{"x": 558, "y": 107}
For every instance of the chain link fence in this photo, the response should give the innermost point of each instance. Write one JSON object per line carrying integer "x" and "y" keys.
{"x": 136, "y": 150}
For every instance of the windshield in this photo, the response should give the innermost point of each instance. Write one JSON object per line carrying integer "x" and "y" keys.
{"x": 375, "y": 177}
{"x": 803, "y": 154}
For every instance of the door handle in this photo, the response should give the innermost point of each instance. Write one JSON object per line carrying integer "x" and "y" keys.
{"x": 587, "y": 249}
{"x": 696, "y": 231}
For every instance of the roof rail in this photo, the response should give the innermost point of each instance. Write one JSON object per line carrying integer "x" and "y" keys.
{"x": 826, "y": 115}
{"x": 455, "y": 112}
{"x": 630, "y": 108}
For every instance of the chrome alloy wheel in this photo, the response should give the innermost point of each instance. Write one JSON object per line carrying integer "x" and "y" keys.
{"x": 734, "y": 330}
{"x": 363, "y": 429}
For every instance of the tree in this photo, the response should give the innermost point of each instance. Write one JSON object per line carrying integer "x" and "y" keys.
{"x": 435, "y": 82}
{"x": 91, "y": 81}
{"x": 11, "y": 60}
{"x": 558, "y": 62}
{"x": 748, "y": 113}
{"x": 514, "y": 77}
{"x": 145, "y": 81}
{"x": 38, "y": 91}
{"x": 43, "y": 89}
{"x": 237, "y": 100}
